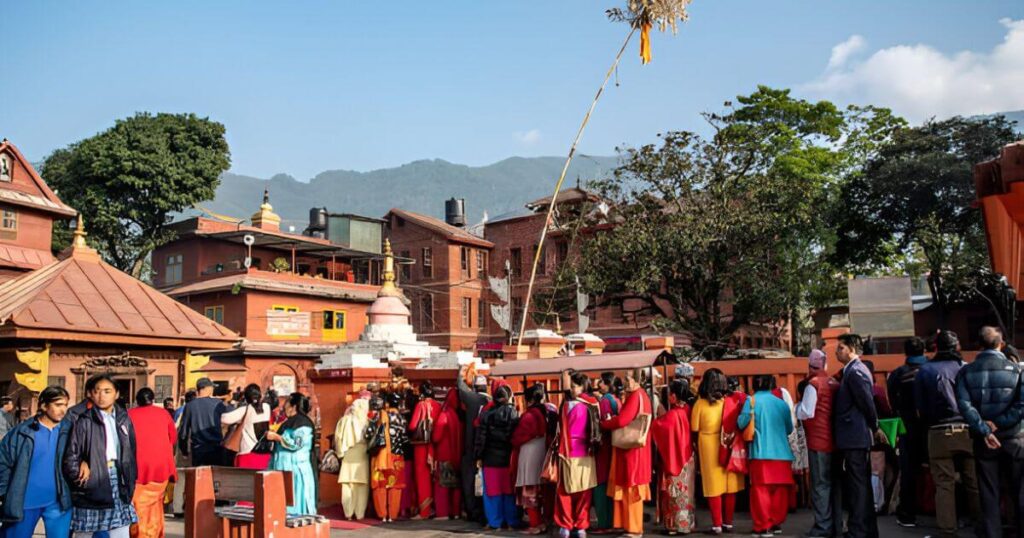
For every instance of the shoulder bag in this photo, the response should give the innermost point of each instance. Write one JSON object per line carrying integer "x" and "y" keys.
{"x": 233, "y": 441}
{"x": 748, "y": 432}
{"x": 634, "y": 434}
{"x": 330, "y": 463}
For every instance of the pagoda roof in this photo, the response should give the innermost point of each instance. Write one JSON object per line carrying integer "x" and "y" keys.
{"x": 84, "y": 299}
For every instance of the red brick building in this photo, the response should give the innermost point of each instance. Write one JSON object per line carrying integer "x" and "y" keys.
{"x": 515, "y": 237}
{"x": 444, "y": 276}
{"x": 296, "y": 299}
{"x": 28, "y": 209}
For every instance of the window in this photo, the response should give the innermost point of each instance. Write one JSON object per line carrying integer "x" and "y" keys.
{"x": 172, "y": 273}
{"x": 427, "y": 312}
{"x": 216, "y": 313}
{"x": 5, "y": 167}
{"x": 516, "y": 260}
{"x": 517, "y": 312}
{"x": 163, "y": 387}
{"x": 464, "y": 260}
{"x": 480, "y": 315}
{"x": 55, "y": 381}
{"x": 481, "y": 264}
{"x": 334, "y": 325}
{"x": 10, "y": 220}
{"x": 427, "y": 262}
{"x": 405, "y": 267}
{"x": 467, "y": 312}
{"x": 561, "y": 252}
{"x": 284, "y": 308}
{"x": 541, "y": 269}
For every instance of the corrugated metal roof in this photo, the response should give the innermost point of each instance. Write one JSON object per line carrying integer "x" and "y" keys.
{"x": 298, "y": 285}
{"x": 23, "y": 257}
{"x": 84, "y": 294}
{"x": 583, "y": 363}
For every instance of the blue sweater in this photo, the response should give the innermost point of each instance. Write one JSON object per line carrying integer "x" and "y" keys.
{"x": 772, "y": 425}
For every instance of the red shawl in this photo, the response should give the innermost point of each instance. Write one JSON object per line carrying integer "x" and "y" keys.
{"x": 731, "y": 407}
{"x": 632, "y": 465}
{"x": 671, "y": 434}
{"x": 447, "y": 434}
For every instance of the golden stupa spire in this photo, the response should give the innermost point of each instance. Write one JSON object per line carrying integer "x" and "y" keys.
{"x": 79, "y": 241}
{"x": 79, "y": 248}
{"x": 388, "y": 288}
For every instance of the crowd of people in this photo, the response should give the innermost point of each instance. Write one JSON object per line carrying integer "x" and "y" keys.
{"x": 586, "y": 465}
{"x": 97, "y": 469}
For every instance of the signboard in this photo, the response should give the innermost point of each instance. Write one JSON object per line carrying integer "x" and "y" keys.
{"x": 881, "y": 307}
{"x": 284, "y": 384}
{"x": 287, "y": 324}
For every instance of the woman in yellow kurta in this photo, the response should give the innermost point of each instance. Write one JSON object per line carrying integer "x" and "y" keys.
{"x": 719, "y": 485}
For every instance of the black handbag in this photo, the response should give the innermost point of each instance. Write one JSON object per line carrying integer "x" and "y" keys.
{"x": 448, "y": 475}
{"x": 263, "y": 446}
{"x": 377, "y": 440}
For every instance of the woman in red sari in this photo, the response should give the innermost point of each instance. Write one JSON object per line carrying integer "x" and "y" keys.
{"x": 424, "y": 416}
{"x": 630, "y": 474}
{"x": 672, "y": 438}
{"x": 447, "y": 458}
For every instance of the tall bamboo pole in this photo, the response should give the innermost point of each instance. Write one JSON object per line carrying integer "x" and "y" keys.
{"x": 561, "y": 179}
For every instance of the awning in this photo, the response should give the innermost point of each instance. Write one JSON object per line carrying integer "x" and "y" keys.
{"x": 585, "y": 363}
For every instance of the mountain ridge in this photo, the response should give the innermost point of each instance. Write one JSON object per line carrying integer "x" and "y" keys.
{"x": 421, "y": 186}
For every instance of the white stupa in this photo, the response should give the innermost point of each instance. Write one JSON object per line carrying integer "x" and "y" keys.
{"x": 388, "y": 336}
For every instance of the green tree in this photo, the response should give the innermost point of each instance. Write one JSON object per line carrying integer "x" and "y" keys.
{"x": 128, "y": 180}
{"x": 913, "y": 206}
{"x": 720, "y": 232}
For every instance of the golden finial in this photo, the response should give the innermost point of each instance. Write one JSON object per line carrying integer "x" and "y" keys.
{"x": 388, "y": 288}
{"x": 80, "y": 234}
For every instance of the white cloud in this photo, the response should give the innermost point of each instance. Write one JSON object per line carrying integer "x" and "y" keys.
{"x": 528, "y": 138}
{"x": 843, "y": 51}
{"x": 918, "y": 81}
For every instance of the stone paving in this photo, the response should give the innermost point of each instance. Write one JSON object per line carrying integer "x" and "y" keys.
{"x": 796, "y": 525}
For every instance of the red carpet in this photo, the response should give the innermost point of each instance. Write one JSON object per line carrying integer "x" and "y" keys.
{"x": 338, "y": 521}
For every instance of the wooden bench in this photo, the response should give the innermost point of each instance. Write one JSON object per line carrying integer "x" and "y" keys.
{"x": 269, "y": 493}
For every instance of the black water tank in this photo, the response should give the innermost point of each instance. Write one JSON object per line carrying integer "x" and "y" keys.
{"x": 455, "y": 212}
{"x": 318, "y": 218}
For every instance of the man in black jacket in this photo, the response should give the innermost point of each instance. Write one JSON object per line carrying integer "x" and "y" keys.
{"x": 855, "y": 427}
{"x": 199, "y": 433}
{"x": 990, "y": 396}
{"x": 949, "y": 444}
{"x": 101, "y": 491}
{"x": 913, "y": 443}
{"x": 473, "y": 399}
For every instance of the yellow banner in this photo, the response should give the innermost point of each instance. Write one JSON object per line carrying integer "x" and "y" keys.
{"x": 193, "y": 363}
{"x": 39, "y": 362}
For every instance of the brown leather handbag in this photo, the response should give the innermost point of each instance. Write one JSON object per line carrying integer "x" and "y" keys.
{"x": 634, "y": 434}
{"x": 233, "y": 441}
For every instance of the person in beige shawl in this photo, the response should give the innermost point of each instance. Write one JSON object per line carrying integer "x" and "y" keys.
{"x": 350, "y": 445}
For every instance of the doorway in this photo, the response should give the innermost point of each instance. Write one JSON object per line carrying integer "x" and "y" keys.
{"x": 125, "y": 391}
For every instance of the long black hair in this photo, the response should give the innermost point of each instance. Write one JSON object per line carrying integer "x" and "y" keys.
{"x": 713, "y": 385}
{"x": 301, "y": 418}
{"x": 253, "y": 396}
{"x": 534, "y": 395}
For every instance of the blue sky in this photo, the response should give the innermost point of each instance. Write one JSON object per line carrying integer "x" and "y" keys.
{"x": 308, "y": 86}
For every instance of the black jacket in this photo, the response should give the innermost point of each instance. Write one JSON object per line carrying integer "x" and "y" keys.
{"x": 935, "y": 391}
{"x": 991, "y": 389}
{"x": 88, "y": 443}
{"x": 494, "y": 438}
{"x": 900, "y": 389}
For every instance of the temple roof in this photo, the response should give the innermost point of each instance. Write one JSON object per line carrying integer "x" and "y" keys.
{"x": 83, "y": 298}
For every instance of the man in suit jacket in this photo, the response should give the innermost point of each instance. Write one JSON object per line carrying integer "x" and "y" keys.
{"x": 855, "y": 425}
